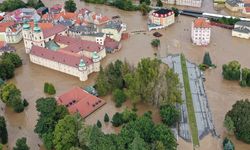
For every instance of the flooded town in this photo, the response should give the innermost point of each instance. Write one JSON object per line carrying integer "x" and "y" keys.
{"x": 214, "y": 98}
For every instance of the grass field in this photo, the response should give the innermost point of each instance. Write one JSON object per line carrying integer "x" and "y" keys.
{"x": 189, "y": 102}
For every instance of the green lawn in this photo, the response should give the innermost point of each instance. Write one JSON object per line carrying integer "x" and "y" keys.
{"x": 189, "y": 102}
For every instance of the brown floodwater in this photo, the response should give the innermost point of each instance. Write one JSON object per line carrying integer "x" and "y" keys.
{"x": 176, "y": 39}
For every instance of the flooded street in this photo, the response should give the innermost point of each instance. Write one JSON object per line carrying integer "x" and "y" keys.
{"x": 176, "y": 39}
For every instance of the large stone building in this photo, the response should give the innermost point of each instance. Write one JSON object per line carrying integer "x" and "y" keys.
{"x": 241, "y": 29}
{"x": 192, "y": 3}
{"x": 52, "y": 48}
{"x": 201, "y": 31}
{"x": 160, "y": 19}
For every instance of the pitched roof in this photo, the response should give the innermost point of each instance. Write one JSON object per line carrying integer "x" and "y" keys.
{"x": 59, "y": 56}
{"x": 54, "y": 30}
{"x": 163, "y": 11}
{"x": 78, "y": 100}
{"x": 243, "y": 23}
{"x": 242, "y": 30}
{"x": 201, "y": 23}
{"x": 247, "y": 9}
{"x": 42, "y": 25}
{"x": 4, "y": 25}
{"x": 2, "y": 44}
{"x": 76, "y": 45}
{"x": 65, "y": 15}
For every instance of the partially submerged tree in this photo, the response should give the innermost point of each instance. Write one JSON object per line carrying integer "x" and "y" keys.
{"x": 70, "y": 6}
{"x": 3, "y": 131}
{"x": 21, "y": 144}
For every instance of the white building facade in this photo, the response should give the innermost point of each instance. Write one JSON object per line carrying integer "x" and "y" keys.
{"x": 201, "y": 31}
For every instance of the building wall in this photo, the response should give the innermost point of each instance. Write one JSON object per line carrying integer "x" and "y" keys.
{"x": 236, "y": 8}
{"x": 200, "y": 36}
{"x": 74, "y": 71}
{"x": 192, "y": 3}
{"x": 14, "y": 37}
{"x": 163, "y": 21}
{"x": 240, "y": 34}
{"x": 113, "y": 33}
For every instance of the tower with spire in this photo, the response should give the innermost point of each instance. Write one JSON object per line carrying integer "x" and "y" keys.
{"x": 27, "y": 36}
{"x": 96, "y": 60}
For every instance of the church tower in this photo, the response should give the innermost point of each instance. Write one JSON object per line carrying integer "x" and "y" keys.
{"x": 27, "y": 36}
{"x": 38, "y": 38}
{"x": 96, "y": 59}
{"x": 83, "y": 70}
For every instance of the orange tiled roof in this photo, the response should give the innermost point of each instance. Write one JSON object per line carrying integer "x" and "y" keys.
{"x": 78, "y": 100}
{"x": 4, "y": 25}
{"x": 2, "y": 44}
{"x": 65, "y": 15}
{"x": 201, "y": 23}
{"x": 43, "y": 25}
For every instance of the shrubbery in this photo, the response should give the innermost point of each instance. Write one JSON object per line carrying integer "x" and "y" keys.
{"x": 10, "y": 5}
{"x": 228, "y": 144}
{"x": 49, "y": 88}
{"x": 3, "y": 131}
{"x": 231, "y": 71}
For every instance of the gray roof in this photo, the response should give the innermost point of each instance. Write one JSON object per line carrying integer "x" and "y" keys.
{"x": 247, "y": 5}
{"x": 233, "y": 3}
{"x": 83, "y": 29}
{"x": 7, "y": 48}
{"x": 66, "y": 22}
{"x": 114, "y": 25}
{"x": 242, "y": 30}
{"x": 243, "y": 23}
{"x": 96, "y": 34}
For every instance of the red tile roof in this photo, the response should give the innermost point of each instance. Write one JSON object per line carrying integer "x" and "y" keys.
{"x": 1, "y": 18}
{"x": 60, "y": 56}
{"x": 76, "y": 45}
{"x": 110, "y": 43}
{"x": 65, "y": 15}
{"x": 54, "y": 30}
{"x": 201, "y": 23}
{"x": 78, "y": 100}
{"x": 43, "y": 25}
{"x": 247, "y": 9}
{"x": 4, "y": 25}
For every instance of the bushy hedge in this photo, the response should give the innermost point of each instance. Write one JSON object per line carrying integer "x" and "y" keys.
{"x": 49, "y": 88}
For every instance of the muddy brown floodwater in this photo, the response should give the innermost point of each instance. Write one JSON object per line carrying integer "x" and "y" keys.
{"x": 176, "y": 39}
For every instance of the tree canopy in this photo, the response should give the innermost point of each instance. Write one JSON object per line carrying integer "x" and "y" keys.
{"x": 231, "y": 71}
{"x": 240, "y": 116}
{"x": 3, "y": 131}
{"x": 70, "y": 6}
{"x": 11, "y": 96}
{"x": 21, "y": 144}
{"x": 170, "y": 115}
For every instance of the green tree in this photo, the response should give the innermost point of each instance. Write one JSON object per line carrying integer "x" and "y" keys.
{"x": 159, "y": 145}
{"x": 156, "y": 43}
{"x": 99, "y": 124}
{"x": 147, "y": 2}
{"x": 10, "y": 5}
{"x": 164, "y": 134}
{"x": 117, "y": 120}
{"x": 11, "y": 96}
{"x": 47, "y": 139}
{"x": 228, "y": 144}
{"x": 25, "y": 103}
{"x": 1, "y": 147}
{"x": 14, "y": 58}
{"x": 144, "y": 8}
{"x": 229, "y": 124}
{"x": 128, "y": 115}
{"x": 231, "y": 71}
{"x": 159, "y": 3}
{"x": 169, "y": 114}
{"x": 207, "y": 60}
{"x": 21, "y": 144}
{"x": 49, "y": 88}
{"x": 176, "y": 11}
{"x": 240, "y": 114}
{"x": 106, "y": 118}
{"x": 49, "y": 114}
{"x": 3, "y": 131}
{"x": 7, "y": 69}
{"x": 138, "y": 143}
{"x": 119, "y": 97}
{"x": 102, "y": 85}
{"x": 65, "y": 134}
{"x": 70, "y": 6}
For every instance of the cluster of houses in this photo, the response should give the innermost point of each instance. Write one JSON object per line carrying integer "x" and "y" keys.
{"x": 72, "y": 43}
{"x": 192, "y": 3}
{"x": 242, "y": 6}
